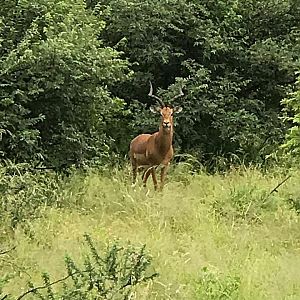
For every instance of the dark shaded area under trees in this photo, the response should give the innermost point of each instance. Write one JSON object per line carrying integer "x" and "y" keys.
{"x": 74, "y": 77}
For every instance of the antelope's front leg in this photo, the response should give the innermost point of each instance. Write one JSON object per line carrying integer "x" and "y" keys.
{"x": 163, "y": 175}
{"x": 154, "y": 178}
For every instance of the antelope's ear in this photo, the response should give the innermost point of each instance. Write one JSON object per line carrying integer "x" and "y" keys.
{"x": 155, "y": 109}
{"x": 177, "y": 109}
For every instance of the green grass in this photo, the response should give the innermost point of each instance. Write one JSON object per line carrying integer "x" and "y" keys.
{"x": 210, "y": 236}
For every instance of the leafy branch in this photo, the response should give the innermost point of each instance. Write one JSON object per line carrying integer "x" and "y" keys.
{"x": 33, "y": 290}
{"x": 110, "y": 275}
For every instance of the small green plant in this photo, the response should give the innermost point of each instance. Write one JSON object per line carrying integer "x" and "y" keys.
{"x": 112, "y": 275}
{"x": 293, "y": 199}
{"x": 216, "y": 287}
{"x": 295, "y": 203}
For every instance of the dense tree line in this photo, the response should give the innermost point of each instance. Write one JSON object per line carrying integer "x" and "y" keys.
{"x": 54, "y": 77}
{"x": 74, "y": 76}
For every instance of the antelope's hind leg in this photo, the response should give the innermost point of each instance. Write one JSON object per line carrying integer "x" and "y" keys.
{"x": 146, "y": 175}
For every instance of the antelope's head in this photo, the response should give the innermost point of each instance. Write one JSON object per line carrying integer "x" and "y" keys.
{"x": 166, "y": 111}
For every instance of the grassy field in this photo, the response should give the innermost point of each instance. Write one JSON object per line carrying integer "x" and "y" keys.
{"x": 210, "y": 236}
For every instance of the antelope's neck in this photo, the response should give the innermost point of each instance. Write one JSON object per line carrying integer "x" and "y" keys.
{"x": 164, "y": 140}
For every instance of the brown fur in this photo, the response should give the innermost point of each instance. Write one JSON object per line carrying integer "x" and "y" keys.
{"x": 151, "y": 150}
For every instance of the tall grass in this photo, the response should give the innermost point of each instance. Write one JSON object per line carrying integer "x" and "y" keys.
{"x": 221, "y": 236}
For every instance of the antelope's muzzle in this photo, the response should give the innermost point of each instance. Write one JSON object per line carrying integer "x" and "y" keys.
{"x": 166, "y": 124}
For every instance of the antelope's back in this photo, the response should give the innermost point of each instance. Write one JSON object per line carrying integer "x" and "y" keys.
{"x": 139, "y": 144}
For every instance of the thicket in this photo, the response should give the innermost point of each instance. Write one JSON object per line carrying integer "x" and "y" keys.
{"x": 74, "y": 76}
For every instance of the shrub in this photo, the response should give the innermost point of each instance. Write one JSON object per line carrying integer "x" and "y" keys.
{"x": 112, "y": 275}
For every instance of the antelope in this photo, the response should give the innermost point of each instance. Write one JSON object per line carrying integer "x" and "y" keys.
{"x": 148, "y": 151}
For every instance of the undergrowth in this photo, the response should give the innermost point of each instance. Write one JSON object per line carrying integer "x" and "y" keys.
{"x": 232, "y": 235}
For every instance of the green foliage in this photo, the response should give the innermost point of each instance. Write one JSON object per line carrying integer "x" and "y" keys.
{"x": 54, "y": 72}
{"x": 236, "y": 60}
{"x": 292, "y": 108}
{"x": 24, "y": 194}
{"x": 112, "y": 275}
{"x": 294, "y": 199}
{"x": 67, "y": 66}
{"x": 214, "y": 286}
{"x": 245, "y": 203}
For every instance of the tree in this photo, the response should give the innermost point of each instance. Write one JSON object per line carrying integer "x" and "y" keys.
{"x": 236, "y": 59}
{"x": 292, "y": 108}
{"x": 54, "y": 100}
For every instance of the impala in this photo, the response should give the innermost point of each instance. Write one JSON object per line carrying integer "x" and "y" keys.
{"x": 148, "y": 151}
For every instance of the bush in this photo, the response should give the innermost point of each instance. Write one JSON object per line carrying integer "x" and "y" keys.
{"x": 112, "y": 275}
